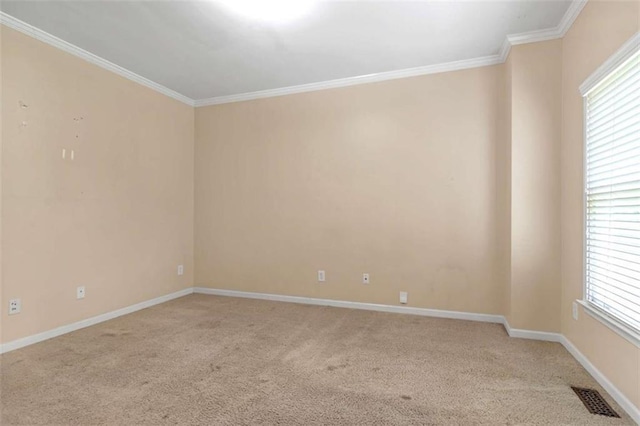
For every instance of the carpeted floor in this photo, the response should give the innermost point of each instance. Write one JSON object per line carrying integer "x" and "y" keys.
{"x": 211, "y": 360}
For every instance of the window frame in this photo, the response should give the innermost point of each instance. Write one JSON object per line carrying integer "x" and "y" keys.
{"x": 629, "y": 49}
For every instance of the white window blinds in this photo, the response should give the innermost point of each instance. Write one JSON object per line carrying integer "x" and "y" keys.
{"x": 612, "y": 120}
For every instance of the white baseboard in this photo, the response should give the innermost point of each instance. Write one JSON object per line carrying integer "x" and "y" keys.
{"x": 498, "y": 319}
{"x": 36, "y": 338}
{"x": 532, "y": 335}
{"x": 623, "y": 401}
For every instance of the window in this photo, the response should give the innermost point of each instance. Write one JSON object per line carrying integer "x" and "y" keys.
{"x": 612, "y": 191}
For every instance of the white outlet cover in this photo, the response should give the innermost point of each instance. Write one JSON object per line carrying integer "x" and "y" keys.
{"x": 365, "y": 278}
{"x": 80, "y": 292}
{"x": 180, "y": 269}
{"x": 404, "y": 297}
{"x": 15, "y": 306}
{"x": 321, "y": 276}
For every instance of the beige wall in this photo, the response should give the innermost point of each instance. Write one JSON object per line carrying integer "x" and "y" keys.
{"x": 2, "y": 312}
{"x": 601, "y": 28}
{"x": 118, "y": 219}
{"x": 503, "y": 186}
{"x": 536, "y": 85}
{"x": 396, "y": 179}
{"x": 444, "y": 185}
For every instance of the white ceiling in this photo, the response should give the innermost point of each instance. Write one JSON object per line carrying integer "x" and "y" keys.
{"x": 202, "y": 50}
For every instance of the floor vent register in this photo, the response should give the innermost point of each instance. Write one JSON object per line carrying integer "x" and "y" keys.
{"x": 594, "y": 402}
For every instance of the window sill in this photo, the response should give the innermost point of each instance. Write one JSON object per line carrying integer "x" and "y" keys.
{"x": 623, "y": 330}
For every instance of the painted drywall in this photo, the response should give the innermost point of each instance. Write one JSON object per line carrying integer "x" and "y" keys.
{"x": 536, "y": 84}
{"x": 396, "y": 179}
{"x": 600, "y": 29}
{"x": 503, "y": 186}
{"x": 2, "y": 302}
{"x": 118, "y": 218}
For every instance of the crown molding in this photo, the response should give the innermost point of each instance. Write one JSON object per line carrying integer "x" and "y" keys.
{"x": 504, "y": 50}
{"x": 628, "y": 49}
{"x": 570, "y": 16}
{"x": 352, "y": 81}
{"x": 533, "y": 36}
{"x": 54, "y": 41}
{"x": 559, "y": 31}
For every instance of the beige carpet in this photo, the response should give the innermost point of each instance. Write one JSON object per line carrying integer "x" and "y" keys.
{"x": 211, "y": 360}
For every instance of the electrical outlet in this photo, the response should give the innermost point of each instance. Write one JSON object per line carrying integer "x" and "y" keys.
{"x": 403, "y": 297}
{"x": 80, "y": 292}
{"x": 321, "y": 276}
{"x": 15, "y": 306}
{"x": 365, "y": 278}
{"x": 575, "y": 311}
{"x": 180, "y": 269}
